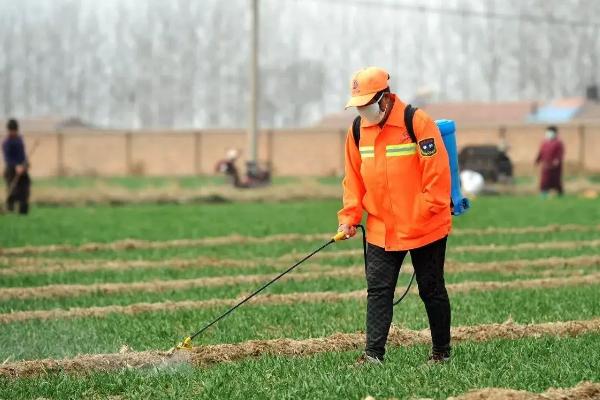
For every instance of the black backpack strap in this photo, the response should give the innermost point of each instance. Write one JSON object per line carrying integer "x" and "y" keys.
{"x": 409, "y": 113}
{"x": 356, "y": 130}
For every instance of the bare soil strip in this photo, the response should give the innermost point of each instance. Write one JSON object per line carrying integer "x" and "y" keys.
{"x": 583, "y": 391}
{"x": 483, "y": 248}
{"x": 213, "y": 354}
{"x": 128, "y": 244}
{"x": 280, "y": 299}
{"x": 525, "y": 230}
{"x": 68, "y": 265}
{"x": 49, "y": 266}
{"x": 518, "y": 264}
{"x": 73, "y": 290}
{"x": 526, "y": 246}
{"x": 55, "y": 291}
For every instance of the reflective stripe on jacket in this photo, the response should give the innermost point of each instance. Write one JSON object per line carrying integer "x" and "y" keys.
{"x": 403, "y": 186}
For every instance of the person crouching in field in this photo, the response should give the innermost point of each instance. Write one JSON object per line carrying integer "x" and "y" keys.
{"x": 15, "y": 172}
{"x": 402, "y": 181}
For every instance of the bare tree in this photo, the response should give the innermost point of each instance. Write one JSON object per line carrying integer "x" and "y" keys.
{"x": 151, "y": 63}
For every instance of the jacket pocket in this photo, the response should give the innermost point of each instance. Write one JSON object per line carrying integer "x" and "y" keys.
{"x": 422, "y": 212}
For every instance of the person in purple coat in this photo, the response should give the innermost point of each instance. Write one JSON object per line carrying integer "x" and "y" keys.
{"x": 550, "y": 157}
{"x": 15, "y": 172}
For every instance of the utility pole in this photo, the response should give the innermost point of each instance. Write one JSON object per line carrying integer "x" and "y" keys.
{"x": 253, "y": 98}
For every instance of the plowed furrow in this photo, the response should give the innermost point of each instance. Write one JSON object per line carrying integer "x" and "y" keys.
{"x": 280, "y": 299}
{"x": 55, "y": 291}
{"x": 59, "y": 266}
{"x": 213, "y": 354}
{"x": 483, "y": 248}
{"x": 128, "y": 244}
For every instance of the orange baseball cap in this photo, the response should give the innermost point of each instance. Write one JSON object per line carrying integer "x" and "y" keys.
{"x": 365, "y": 84}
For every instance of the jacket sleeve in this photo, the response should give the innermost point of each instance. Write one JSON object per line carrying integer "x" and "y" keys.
{"x": 354, "y": 188}
{"x": 435, "y": 167}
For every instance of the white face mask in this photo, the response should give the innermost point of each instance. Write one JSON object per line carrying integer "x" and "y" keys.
{"x": 371, "y": 112}
{"x": 550, "y": 134}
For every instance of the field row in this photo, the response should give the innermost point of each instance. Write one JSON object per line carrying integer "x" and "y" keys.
{"x": 237, "y": 266}
{"x": 214, "y": 354}
{"x": 74, "y": 290}
{"x": 279, "y": 299}
{"x": 552, "y": 362}
{"x": 71, "y": 290}
{"x": 470, "y": 248}
{"x": 484, "y": 248}
{"x": 130, "y": 244}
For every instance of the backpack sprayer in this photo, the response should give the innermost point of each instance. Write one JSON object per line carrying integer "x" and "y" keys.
{"x": 459, "y": 203}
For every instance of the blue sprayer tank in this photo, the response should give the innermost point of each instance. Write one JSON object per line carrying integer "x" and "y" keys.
{"x": 447, "y": 127}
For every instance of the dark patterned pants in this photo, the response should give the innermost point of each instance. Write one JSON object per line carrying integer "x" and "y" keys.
{"x": 20, "y": 190}
{"x": 382, "y": 272}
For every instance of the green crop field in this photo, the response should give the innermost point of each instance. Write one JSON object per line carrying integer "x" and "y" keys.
{"x": 91, "y": 298}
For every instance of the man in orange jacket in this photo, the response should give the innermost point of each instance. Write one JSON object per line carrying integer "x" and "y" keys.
{"x": 402, "y": 181}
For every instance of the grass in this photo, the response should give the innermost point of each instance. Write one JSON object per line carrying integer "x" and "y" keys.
{"x": 79, "y": 225}
{"x": 299, "y": 248}
{"x": 59, "y": 338}
{"x": 224, "y": 291}
{"x": 140, "y": 182}
{"x": 125, "y": 274}
{"x": 532, "y": 364}
{"x": 527, "y": 364}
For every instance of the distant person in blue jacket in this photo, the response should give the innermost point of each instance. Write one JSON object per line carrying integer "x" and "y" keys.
{"x": 15, "y": 172}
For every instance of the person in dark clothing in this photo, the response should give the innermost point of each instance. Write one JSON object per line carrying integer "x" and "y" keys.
{"x": 15, "y": 173}
{"x": 228, "y": 167}
{"x": 255, "y": 177}
{"x": 551, "y": 157}
{"x": 382, "y": 275}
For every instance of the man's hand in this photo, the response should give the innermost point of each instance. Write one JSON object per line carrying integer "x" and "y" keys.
{"x": 20, "y": 169}
{"x": 348, "y": 230}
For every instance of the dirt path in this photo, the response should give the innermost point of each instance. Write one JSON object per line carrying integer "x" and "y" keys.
{"x": 280, "y": 299}
{"x": 129, "y": 244}
{"x": 214, "y": 354}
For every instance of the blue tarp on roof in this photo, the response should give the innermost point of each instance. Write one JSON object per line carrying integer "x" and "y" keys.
{"x": 553, "y": 114}
{"x": 557, "y": 111}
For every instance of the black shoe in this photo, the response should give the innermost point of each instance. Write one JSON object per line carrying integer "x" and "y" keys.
{"x": 438, "y": 357}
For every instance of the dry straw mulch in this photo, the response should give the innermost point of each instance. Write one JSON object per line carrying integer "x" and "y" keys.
{"x": 213, "y": 354}
{"x": 34, "y": 266}
{"x": 278, "y": 299}
{"x": 129, "y": 244}
{"x": 583, "y": 391}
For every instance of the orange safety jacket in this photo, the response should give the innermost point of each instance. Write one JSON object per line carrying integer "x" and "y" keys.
{"x": 403, "y": 186}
